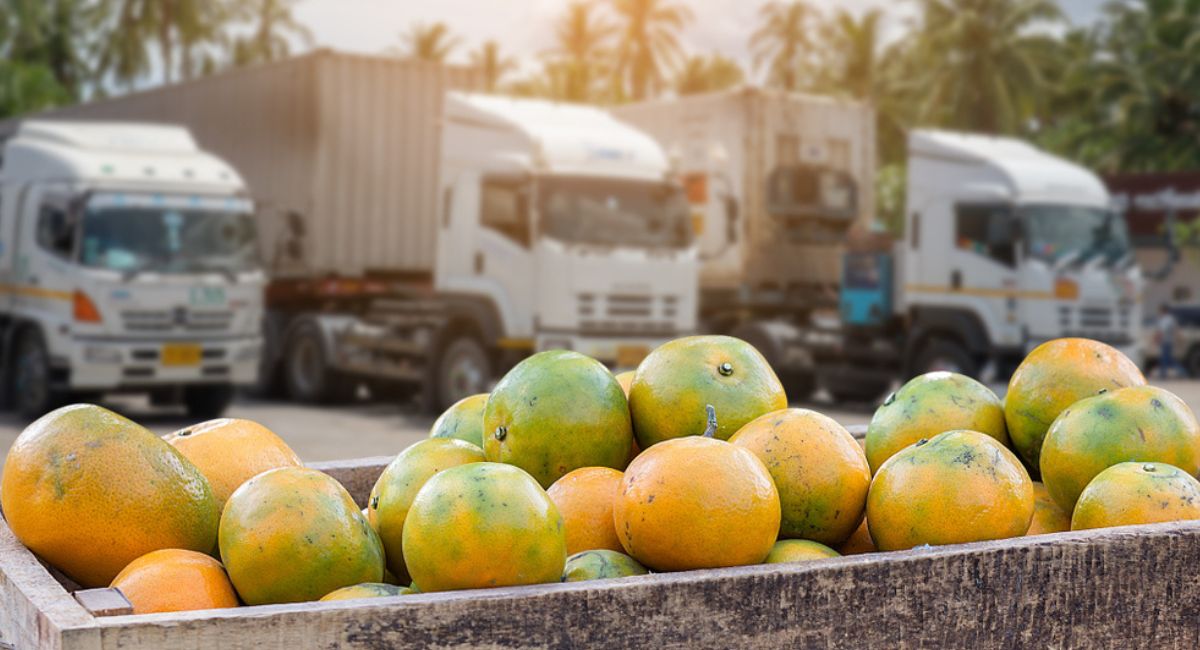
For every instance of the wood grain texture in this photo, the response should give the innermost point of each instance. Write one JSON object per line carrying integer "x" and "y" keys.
{"x": 34, "y": 608}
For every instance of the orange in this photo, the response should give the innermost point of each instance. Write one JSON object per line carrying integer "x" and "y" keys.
{"x": 294, "y": 534}
{"x": 483, "y": 525}
{"x": 366, "y": 590}
{"x": 399, "y": 483}
{"x": 1137, "y": 493}
{"x": 625, "y": 379}
{"x": 696, "y": 502}
{"x": 820, "y": 471}
{"x": 1047, "y": 516}
{"x": 463, "y": 420}
{"x": 1139, "y": 423}
{"x": 859, "y": 542}
{"x": 600, "y": 564}
{"x": 554, "y": 412}
{"x": 1055, "y": 375}
{"x": 959, "y": 486}
{"x": 230, "y": 452}
{"x": 90, "y": 491}
{"x": 175, "y": 580}
{"x": 928, "y": 405}
{"x": 675, "y": 382}
{"x": 585, "y": 499}
{"x": 798, "y": 550}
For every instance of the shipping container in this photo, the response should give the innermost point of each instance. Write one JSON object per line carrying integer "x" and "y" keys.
{"x": 728, "y": 146}
{"x": 347, "y": 142}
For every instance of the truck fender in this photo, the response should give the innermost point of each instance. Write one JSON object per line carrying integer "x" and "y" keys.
{"x": 478, "y": 311}
{"x": 958, "y": 324}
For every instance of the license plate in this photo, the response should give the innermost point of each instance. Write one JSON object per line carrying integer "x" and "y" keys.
{"x": 181, "y": 354}
{"x": 629, "y": 356}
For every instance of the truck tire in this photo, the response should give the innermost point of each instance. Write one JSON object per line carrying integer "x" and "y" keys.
{"x": 206, "y": 402}
{"x": 945, "y": 354}
{"x": 32, "y": 389}
{"x": 464, "y": 368}
{"x": 798, "y": 383}
{"x": 306, "y": 369}
{"x": 855, "y": 391}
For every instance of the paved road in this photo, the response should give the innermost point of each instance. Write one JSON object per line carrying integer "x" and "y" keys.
{"x": 373, "y": 429}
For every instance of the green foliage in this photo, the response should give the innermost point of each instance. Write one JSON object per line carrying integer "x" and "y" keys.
{"x": 703, "y": 74}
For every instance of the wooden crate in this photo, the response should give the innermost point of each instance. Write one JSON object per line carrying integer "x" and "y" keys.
{"x": 1128, "y": 587}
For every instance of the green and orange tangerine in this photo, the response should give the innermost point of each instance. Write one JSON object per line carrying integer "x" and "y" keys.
{"x": 957, "y": 487}
{"x": 483, "y": 525}
{"x": 1139, "y": 423}
{"x": 819, "y": 469}
{"x": 678, "y": 379}
{"x": 1055, "y": 375}
{"x": 600, "y": 564}
{"x": 557, "y": 411}
{"x": 294, "y": 534}
{"x": 366, "y": 590}
{"x": 1137, "y": 493}
{"x": 696, "y": 502}
{"x": 798, "y": 550}
{"x": 930, "y": 404}
{"x": 399, "y": 483}
{"x": 463, "y": 420}
{"x": 1048, "y": 517}
{"x": 90, "y": 491}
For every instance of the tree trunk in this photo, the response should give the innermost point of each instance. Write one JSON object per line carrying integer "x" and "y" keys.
{"x": 165, "y": 44}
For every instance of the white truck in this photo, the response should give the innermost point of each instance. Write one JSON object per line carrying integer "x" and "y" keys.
{"x": 128, "y": 262}
{"x": 419, "y": 237}
{"x": 1004, "y": 246}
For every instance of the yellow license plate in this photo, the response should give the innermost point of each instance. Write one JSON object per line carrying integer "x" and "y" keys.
{"x": 629, "y": 356}
{"x": 181, "y": 354}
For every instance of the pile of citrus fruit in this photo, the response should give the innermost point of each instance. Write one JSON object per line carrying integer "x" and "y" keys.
{"x": 565, "y": 472}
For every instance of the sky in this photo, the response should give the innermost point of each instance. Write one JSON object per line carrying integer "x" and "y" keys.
{"x": 525, "y": 27}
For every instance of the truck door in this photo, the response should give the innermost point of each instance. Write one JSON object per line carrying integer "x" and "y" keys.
{"x": 500, "y": 263}
{"x": 42, "y": 281}
{"x": 983, "y": 267}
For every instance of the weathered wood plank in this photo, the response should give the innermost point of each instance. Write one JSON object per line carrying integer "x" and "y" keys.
{"x": 104, "y": 602}
{"x": 34, "y": 607}
{"x": 1127, "y": 587}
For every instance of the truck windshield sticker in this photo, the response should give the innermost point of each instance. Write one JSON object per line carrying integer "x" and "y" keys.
{"x": 215, "y": 203}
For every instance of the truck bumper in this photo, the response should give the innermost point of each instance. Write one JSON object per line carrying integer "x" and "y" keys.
{"x": 100, "y": 364}
{"x": 623, "y": 353}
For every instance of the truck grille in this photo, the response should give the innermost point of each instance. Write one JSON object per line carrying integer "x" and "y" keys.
{"x": 626, "y": 313}
{"x": 1095, "y": 317}
{"x": 177, "y": 320}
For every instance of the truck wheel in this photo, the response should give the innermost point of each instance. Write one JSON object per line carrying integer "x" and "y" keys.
{"x": 306, "y": 369}
{"x": 855, "y": 391}
{"x": 798, "y": 383}
{"x": 946, "y": 355}
{"x": 33, "y": 393}
{"x": 207, "y": 402}
{"x": 464, "y": 369}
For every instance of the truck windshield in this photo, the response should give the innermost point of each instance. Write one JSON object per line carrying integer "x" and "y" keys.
{"x": 614, "y": 212}
{"x": 1056, "y": 232}
{"x": 168, "y": 240}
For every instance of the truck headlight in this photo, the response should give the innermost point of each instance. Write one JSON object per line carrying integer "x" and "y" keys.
{"x": 97, "y": 354}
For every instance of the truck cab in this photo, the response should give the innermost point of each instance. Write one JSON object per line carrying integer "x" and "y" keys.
{"x": 1006, "y": 247}
{"x": 128, "y": 262}
{"x": 566, "y": 226}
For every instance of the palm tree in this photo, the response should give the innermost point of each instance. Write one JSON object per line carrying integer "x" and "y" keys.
{"x": 179, "y": 29}
{"x": 581, "y": 38}
{"x": 853, "y": 66}
{"x": 275, "y": 29}
{"x": 47, "y": 33}
{"x": 427, "y": 42}
{"x": 649, "y": 41}
{"x": 782, "y": 40}
{"x": 976, "y": 62}
{"x": 702, "y": 74}
{"x": 491, "y": 64}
